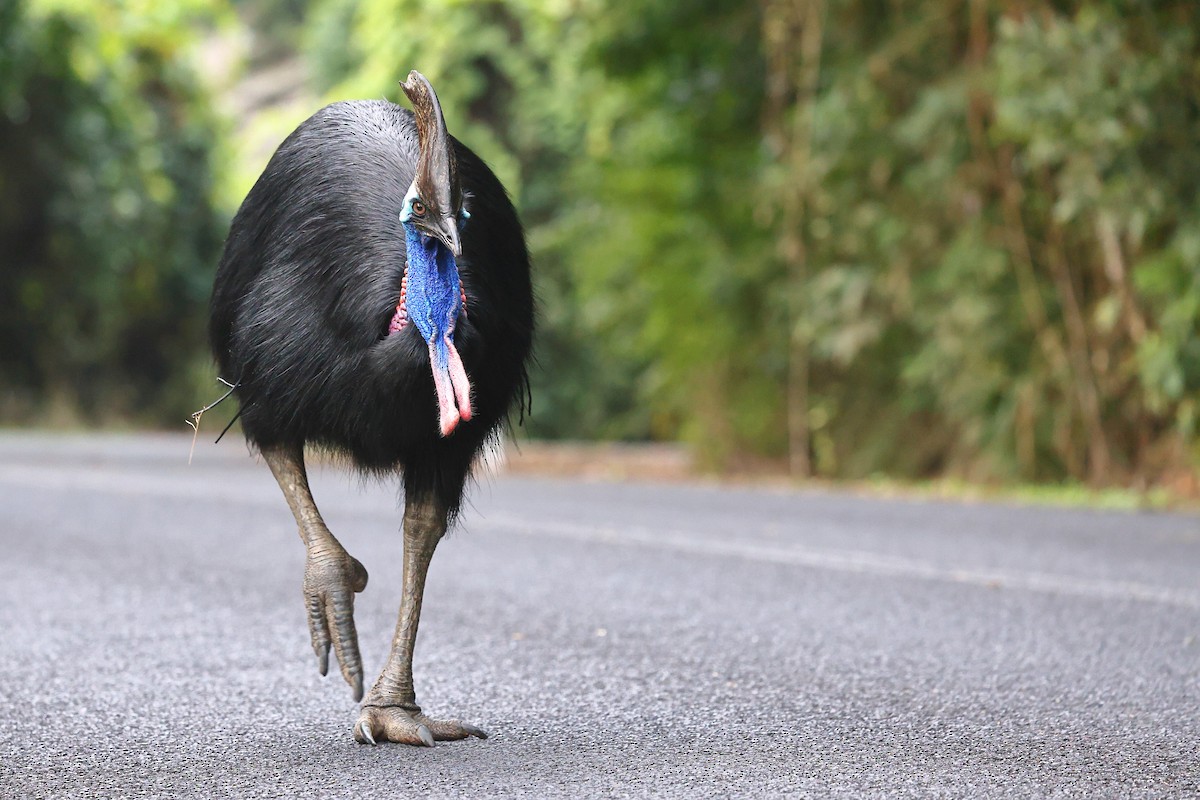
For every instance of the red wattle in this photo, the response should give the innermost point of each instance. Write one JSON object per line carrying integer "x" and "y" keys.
{"x": 453, "y": 388}
{"x": 458, "y": 379}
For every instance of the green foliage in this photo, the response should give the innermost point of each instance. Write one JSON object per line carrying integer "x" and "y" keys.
{"x": 106, "y": 225}
{"x": 509, "y": 83}
{"x": 952, "y": 240}
{"x": 999, "y": 241}
{"x": 669, "y": 241}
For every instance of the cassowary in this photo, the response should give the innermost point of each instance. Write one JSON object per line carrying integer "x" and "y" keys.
{"x": 374, "y": 300}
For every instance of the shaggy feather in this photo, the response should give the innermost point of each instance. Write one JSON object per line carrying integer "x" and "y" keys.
{"x": 308, "y": 285}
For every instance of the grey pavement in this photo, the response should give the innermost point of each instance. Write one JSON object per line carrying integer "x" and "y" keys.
{"x": 616, "y": 640}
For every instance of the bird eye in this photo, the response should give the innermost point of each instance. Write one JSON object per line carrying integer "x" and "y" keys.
{"x": 418, "y": 208}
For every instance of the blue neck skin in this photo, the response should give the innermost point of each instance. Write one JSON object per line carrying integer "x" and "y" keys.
{"x": 434, "y": 292}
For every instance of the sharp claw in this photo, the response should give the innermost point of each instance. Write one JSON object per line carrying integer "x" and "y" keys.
{"x": 471, "y": 729}
{"x": 323, "y": 660}
{"x": 426, "y": 736}
{"x": 365, "y": 731}
{"x": 358, "y": 690}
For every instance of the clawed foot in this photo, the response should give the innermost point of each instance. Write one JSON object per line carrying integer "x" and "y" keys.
{"x": 395, "y": 724}
{"x": 331, "y": 579}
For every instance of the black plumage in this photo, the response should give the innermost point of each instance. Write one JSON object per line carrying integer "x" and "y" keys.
{"x": 310, "y": 323}
{"x": 310, "y": 278}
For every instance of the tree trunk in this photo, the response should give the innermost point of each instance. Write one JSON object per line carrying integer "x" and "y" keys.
{"x": 792, "y": 35}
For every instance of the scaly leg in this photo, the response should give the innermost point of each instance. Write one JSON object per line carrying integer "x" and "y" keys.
{"x": 331, "y": 575}
{"x": 390, "y": 712}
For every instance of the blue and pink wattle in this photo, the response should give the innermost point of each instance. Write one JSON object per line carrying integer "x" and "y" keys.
{"x": 432, "y": 297}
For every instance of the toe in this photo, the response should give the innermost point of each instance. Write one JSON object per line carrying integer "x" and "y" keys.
{"x": 362, "y": 732}
{"x": 391, "y": 725}
{"x": 425, "y": 736}
{"x": 451, "y": 730}
{"x": 478, "y": 733}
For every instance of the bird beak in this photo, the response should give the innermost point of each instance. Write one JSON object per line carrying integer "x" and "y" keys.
{"x": 447, "y": 234}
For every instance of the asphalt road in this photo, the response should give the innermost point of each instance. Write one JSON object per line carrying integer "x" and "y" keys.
{"x": 616, "y": 640}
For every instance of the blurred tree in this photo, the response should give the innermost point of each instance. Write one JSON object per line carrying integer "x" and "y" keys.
{"x": 511, "y": 84}
{"x": 671, "y": 233}
{"x": 1072, "y": 181}
{"x": 902, "y": 237}
{"x": 106, "y": 223}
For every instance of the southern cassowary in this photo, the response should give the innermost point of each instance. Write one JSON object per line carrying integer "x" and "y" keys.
{"x": 374, "y": 300}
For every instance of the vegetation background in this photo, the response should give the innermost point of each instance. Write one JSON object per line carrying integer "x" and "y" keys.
{"x": 842, "y": 238}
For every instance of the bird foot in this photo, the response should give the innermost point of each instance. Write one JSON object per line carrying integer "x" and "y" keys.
{"x": 331, "y": 579}
{"x": 397, "y": 724}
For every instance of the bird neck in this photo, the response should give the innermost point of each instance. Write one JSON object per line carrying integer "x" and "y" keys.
{"x": 434, "y": 293}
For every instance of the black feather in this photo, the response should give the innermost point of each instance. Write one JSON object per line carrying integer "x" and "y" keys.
{"x": 308, "y": 284}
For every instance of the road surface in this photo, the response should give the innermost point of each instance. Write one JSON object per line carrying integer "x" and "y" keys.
{"x": 616, "y": 640}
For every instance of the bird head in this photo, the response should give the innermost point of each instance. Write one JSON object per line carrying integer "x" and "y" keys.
{"x": 432, "y": 295}
{"x": 434, "y": 203}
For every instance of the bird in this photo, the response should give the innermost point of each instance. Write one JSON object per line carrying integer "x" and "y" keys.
{"x": 373, "y": 301}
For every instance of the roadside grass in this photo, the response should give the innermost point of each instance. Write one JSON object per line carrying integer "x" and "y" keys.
{"x": 1068, "y": 495}
{"x": 672, "y": 463}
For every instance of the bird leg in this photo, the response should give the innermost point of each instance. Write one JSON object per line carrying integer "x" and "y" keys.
{"x": 390, "y": 712}
{"x": 331, "y": 575}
